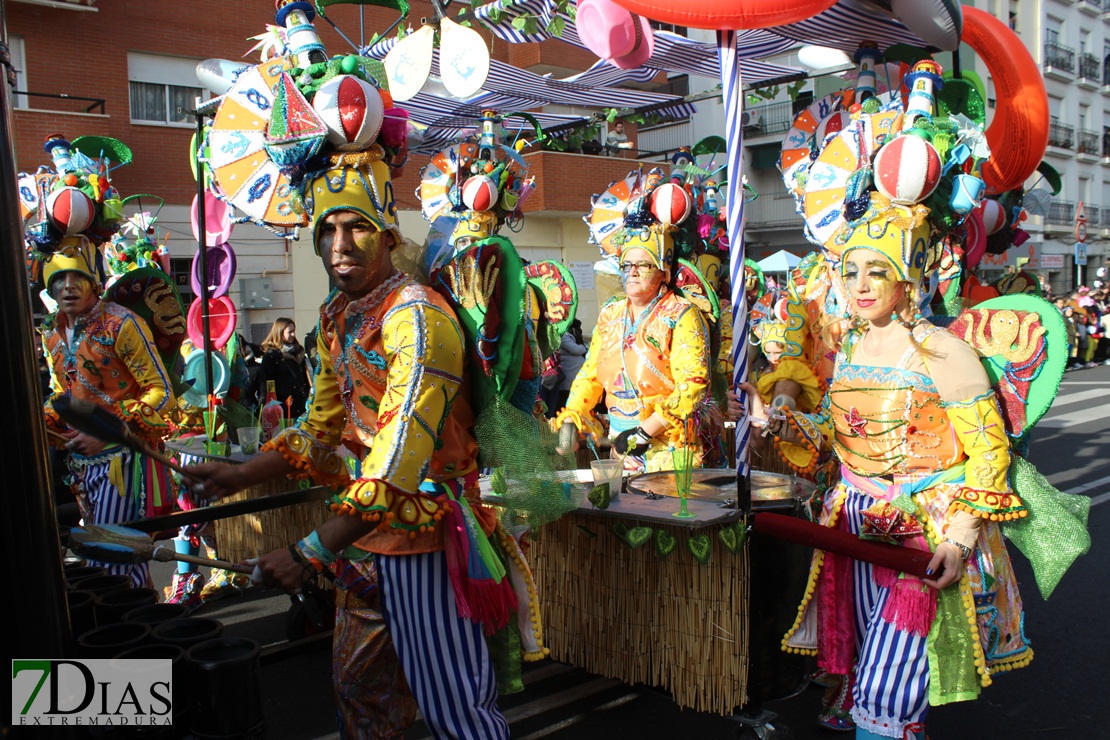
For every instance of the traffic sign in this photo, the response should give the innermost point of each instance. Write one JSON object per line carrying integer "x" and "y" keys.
{"x": 1080, "y": 253}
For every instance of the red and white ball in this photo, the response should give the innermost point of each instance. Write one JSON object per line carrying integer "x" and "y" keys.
{"x": 352, "y": 110}
{"x": 907, "y": 170}
{"x": 71, "y": 210}
{"x": 994, "y": 215}
{"x": 479, "y": 193}
{"x": 671, "y": 204}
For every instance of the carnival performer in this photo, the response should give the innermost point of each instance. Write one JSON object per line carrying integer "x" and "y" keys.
{"x": 99, "y": 350}
{"x": 102, "y": 352}
{"x": 924, "y": 453}
{"x": 649, "y": 357}
{"x": 392, "y": 358}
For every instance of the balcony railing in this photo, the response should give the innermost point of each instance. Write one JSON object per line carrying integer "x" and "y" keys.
{"x": 1086, "y": 142}
{"x": 1059, "y": 56}
{"x": 666, "y": 138}
{"x": 1060, "y": 212}
{"x": 1060, "y": 135}
{"x": 772, "y": 209}
{"x": 1089, "y": 68}
{"x": 776, "y": 118}
{"x": 95, "y": 104}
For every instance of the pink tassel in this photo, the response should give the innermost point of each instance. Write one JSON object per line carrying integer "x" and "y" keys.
{"x": 456, "y": 547}
{"x": 884, "y": 577}
{"x": 911, "y": 607}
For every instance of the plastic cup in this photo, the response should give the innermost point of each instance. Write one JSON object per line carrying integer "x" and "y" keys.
{"x": 248, "y": 440}
{"x": 608, "y": 471}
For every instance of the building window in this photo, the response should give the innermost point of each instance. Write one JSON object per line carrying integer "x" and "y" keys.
{"x": 19, "y": 63}
{"x": 162, "y": 89}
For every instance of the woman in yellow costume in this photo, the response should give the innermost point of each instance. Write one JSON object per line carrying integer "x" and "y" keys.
{"x": 925, "y": 456}
{"x": 649, "y": 358}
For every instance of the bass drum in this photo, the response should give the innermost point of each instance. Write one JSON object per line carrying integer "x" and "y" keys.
{"x": 778, "y": 571}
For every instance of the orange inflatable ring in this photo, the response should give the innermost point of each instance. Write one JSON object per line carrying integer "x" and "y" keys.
{"x": 1018, "y": 134}
{"x": 722, "y": 15}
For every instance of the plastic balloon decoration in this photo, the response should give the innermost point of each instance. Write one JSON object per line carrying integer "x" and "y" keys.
{"x": 1018, "y": 134}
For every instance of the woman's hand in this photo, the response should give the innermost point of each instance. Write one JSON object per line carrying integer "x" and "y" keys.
{"x": 946, "y": 566}
{"x": 755, "y": 403}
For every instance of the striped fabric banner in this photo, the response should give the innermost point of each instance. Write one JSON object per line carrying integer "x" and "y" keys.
{"x": 733, "y": 99}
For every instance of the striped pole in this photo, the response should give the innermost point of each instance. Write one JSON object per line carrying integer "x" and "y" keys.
{"x": 734, "y": 136}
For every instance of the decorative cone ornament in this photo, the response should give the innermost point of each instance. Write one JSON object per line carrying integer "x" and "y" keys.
{"x": 479, "y": 193}
{"x": 352, "y": 110}
{"x": 71, "y": 210}
{"x": 670, "y": 204}
{"x": 907, "y": 170}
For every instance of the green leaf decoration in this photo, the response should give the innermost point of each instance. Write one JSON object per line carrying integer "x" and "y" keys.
{"x": 620, "y": 530}
{"x": 599, "y": 496}
{"x": 638, "y": 536}
{"x": 497, "y": 481}
{"x": 701, "y": 546}
{"x": 665, "y": 543}
{"x": 555, "y": 26}
{"x": 730, "y": 539}
{"x": 742, "y": 532}
{"x": 587, "y": 532}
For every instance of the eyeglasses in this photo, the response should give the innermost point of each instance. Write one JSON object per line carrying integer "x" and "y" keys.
{"x": 630, "y": 267}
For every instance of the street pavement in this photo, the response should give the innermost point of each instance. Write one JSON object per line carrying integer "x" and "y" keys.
{"x": 1057, "y": 696}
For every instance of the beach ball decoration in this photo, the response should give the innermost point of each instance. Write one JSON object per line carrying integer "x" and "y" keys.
{"x": 670, "y": 204}
{"x": 479, "y": 193}
{"x": 353, "y": 111}
{"x": 71, "y": 210}
{"x": 994, "y": 215}
{"x": 907, "y": 170}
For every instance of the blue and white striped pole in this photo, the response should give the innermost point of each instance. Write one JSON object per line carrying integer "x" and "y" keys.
{"x": 733, "y": 100}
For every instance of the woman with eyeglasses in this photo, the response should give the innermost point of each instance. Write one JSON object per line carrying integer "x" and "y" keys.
{"x": 649, "y": 360}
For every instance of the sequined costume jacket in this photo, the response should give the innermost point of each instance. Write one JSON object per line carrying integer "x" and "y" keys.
{"x": 658, "y": 364}
{"x": 899, "y": 441}
{"x": 391, "y": 367}
{"x": 112, "y": 362}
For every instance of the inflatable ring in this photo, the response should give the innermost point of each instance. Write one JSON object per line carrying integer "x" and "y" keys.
{"x": 1018, "y": 135}
{"x": 727, "y": 14}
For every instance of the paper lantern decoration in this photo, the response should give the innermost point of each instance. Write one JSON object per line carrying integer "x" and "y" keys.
{"x": 479, "y": 193}
{"x": 907, "y": 170}
{"x": 994, "y": 216}
{"x": 352, "y": 110}
{"x": 670, "y": 204}
{"x": 71, "y": 210}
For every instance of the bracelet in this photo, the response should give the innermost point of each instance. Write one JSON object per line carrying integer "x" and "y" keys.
{"x": 305, "y": 563}
{"x": 314, "y": 549}
{"x": 965, "y": 551}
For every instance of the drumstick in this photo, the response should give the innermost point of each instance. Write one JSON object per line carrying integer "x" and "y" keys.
{"x": 164, "y": 555}
{"x": 96, "y": 421}
{"x": 113, "y": 543}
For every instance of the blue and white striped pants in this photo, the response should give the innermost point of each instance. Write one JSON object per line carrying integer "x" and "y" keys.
{"x": 444, "y": 656}
{"x": 892, "y": 676}
{"x": 108, "y": 506}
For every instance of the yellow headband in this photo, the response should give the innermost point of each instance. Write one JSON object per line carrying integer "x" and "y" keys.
{"x": 476, "y": 225}
{"x": 364, "y": 188}
{"x": 656, "y": 242}
{"x": 772, "y": 331}
{"x": 74, "y": 254}
{"x": 899, "y": 234}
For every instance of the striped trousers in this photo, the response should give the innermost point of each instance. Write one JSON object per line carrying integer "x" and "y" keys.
{"x": 444, "y": 656}
{"x": 892, "y": 675}
{"x": 108, "y": 505}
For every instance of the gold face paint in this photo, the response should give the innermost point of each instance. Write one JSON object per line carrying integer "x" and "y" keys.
{"x": 355, "y": 254}
{"x": 74, "y": 292}
{"x": 872, "y": 284}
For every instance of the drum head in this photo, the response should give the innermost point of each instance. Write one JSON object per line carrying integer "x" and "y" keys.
{"x": 769, "y": 490}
